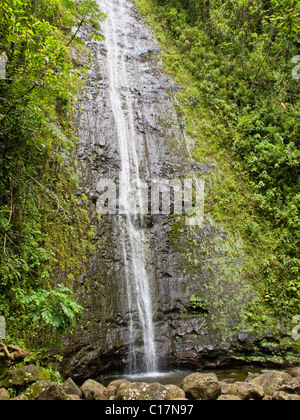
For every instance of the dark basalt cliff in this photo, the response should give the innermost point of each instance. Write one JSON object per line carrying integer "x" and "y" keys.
{"x": 197, "y": 286}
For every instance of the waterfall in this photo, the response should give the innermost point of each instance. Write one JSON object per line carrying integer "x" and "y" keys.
{"x": 132, "y": 236}
{"x": 131, "y": 128}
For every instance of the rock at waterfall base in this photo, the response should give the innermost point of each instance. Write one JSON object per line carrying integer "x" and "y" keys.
{"x": 71, "y": 388}
{"x": 22, "y": 376}
{"x": 201, "y": 386}
{"x": 93, "y": 391}
{"x": 247, "y": 391}
{"x": 45, "y": 391}
{"x": 272, "y": 381}
{"x": 141, "y": 391}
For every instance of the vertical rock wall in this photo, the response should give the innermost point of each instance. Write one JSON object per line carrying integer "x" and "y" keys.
{"x": 195, "y": 272}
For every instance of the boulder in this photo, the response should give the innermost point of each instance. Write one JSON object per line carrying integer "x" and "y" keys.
{"x": 225, "y": 387}
{"x": 131, "y": 391}
{"x": 111, "y": 392}
{"x": 295, "y": 372}
{"x": 118, "y": 383}
{"x": 247, "y": 391}
{"x": 71, "y": 388}
{"x": 201, "y": 386}
{"x": 156, "y": 392}
{"x": 272, "y": 381}
{"x": 92, "y": 390}
{"x": 292, "y": 387}
{"x": 283, "y": 396}
{"x": 20, "y": 398}
{"x": 174, "y": 392}
{"x": 229, "y": 398}
{"x": 4, "y": 394}
{"x": 45, "y": 391}
{"x": 141, "y": 391}
{"x": 22, "y": 376}
{"x": 113, "y": 387}
{"x": 73, "y": 398}
{"x": 251, "y": 376}
{"x": 3, "y": 372}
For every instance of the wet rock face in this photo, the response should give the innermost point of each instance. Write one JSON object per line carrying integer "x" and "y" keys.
{"x": 192, "y": 271}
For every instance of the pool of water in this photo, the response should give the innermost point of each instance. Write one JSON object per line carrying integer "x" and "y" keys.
{"x": 176, "y": 377}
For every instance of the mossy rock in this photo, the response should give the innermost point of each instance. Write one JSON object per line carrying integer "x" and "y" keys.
{"x": 3, "y": 372}
{"x": 45, "y": 391}
{"x": 4, "y": 394}
{"x": 141, "y": 391}
{"x": 22, "y": 376}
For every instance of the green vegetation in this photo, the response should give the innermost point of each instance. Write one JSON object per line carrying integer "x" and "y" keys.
{"x": 54, "y": 308}
{"x": 45, "y": 232}
{"x": 241, "y": 105}
{"x": 197, "y": 306}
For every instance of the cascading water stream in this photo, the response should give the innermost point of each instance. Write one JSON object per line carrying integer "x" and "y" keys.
{"x": 133, "y": 240}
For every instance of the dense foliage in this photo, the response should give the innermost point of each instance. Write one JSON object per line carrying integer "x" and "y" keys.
{"x": 239, "y": 62}
{"x": 45, "y": 233}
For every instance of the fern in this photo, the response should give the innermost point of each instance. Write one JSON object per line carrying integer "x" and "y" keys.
{"x": 56, "y": 308}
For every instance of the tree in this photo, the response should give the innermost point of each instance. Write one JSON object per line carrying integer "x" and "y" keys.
{"x": 42, "y": 227}
{"x": 37, "y": 53}
{"x": 18, "y": 355}
{"x": 286, "y": 17}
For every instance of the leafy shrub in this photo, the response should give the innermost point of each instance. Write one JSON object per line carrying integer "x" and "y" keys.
{"x": 55, "y": 308}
